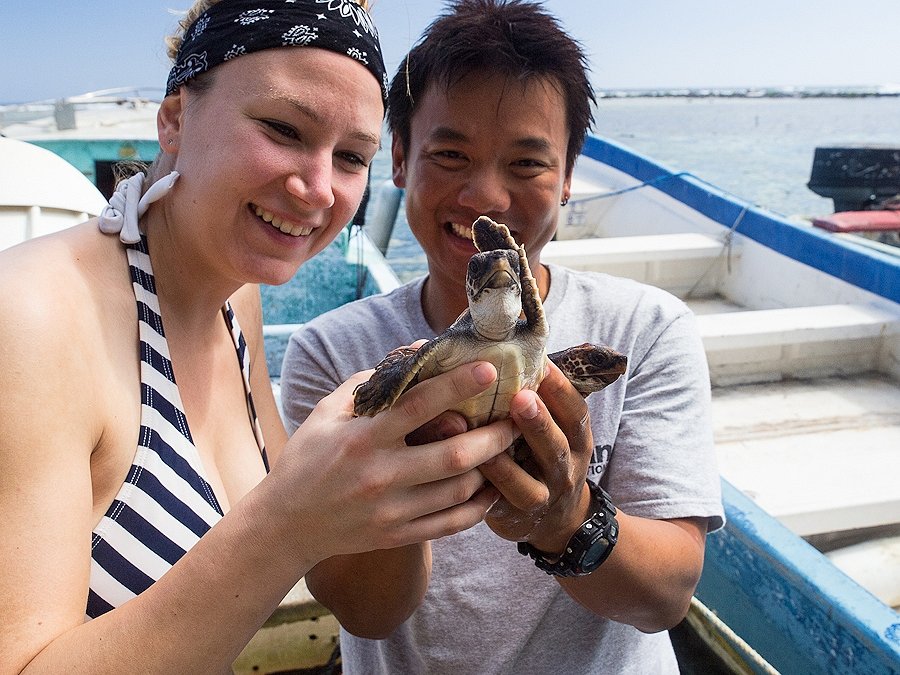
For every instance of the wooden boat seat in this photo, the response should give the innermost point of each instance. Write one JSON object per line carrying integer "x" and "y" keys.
{"x": 772, "y": 344}
{"x": 301, "y": 633}
{"x": 674, "y": 262}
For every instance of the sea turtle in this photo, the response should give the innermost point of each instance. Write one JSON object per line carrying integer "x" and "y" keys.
{"x": 500, "y": 288}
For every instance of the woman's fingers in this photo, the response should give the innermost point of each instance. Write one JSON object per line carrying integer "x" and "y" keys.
{"x": 404, "y": 492}
{"x": 458, "y": 454}
{"x": 431, "y": 397}
{"x": 453, "y": 519}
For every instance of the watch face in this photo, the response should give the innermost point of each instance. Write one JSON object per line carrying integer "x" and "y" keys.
{"x": 595, "y": 552}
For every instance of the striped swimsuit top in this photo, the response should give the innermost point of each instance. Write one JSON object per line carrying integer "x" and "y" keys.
{"x": 166, "y": 504}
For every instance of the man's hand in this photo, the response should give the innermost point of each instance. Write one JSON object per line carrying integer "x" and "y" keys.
{"x": 546, "y": 500}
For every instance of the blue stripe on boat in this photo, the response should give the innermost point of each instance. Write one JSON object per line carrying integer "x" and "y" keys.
{"x": 863, "y": 267}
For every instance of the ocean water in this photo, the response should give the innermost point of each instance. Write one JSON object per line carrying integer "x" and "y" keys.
{"x": 759, "y": 149}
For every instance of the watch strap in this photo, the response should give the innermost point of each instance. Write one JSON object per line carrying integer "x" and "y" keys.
{"x": 588, "y": 547}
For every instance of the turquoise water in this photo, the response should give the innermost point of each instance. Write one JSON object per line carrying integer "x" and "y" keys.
{"x": 758, "y": 149}
{"x": 303, "y": 297}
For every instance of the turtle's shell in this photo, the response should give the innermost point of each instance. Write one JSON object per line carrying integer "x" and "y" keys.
{"x": 519, "y": 364}
{"x": 500, "y": 287}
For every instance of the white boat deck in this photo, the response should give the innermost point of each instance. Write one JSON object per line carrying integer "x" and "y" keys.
{"x": 821, "y": 455}
{"x": 804, "y": 422}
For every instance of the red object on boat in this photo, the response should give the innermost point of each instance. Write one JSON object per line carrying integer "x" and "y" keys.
{"x": 860, "y": 221}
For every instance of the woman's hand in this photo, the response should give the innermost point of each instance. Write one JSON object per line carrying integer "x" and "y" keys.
{"x": 348, "y": 484}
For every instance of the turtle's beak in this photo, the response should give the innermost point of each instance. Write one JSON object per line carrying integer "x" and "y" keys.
{"x": 500, "y": 279}
{"x": 492, "y": 269}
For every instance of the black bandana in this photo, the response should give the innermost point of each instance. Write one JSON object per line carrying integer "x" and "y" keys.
{"x": 232, "y": 28}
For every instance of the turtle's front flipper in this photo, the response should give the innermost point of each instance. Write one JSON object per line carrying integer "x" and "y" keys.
{"x": 491, "y": 236}
{"x": 590, "y": 367}
{"x": 532, "y": 307}
{"x": 396, "y": 373}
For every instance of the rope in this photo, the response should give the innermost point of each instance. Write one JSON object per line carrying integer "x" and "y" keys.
{"x": 729, "y": 236}
{"x": 739, "y": 645}
{"x": 727, "y": 242}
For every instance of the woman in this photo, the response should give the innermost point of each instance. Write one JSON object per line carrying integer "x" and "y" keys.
{"x": 169, "y": 557}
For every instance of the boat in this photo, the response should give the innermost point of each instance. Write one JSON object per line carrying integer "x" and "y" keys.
{"x": 93, "y": 131}
{"x": 802, "y": 334}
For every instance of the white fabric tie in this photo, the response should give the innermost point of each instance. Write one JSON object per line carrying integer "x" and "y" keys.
{"x": 126, "y": 206}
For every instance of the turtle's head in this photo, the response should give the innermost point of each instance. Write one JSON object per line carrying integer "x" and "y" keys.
{"x": 495, "y": 292}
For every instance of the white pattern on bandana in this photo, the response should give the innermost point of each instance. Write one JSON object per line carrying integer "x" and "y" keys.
{"x": 254, "y": 15}
{"x": 300, "y": 35}
{"x": 227, "y": 30}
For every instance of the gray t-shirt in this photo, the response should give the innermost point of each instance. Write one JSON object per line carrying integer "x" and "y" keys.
{"x": 489, "y": 609}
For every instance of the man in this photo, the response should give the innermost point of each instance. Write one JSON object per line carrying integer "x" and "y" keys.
{"x": 488, "y": 114}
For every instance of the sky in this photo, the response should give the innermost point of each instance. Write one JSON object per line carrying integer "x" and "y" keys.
{"x": 59, "y": 48}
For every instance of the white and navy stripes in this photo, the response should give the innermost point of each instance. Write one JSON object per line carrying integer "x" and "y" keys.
{"x": 165, "y": 504}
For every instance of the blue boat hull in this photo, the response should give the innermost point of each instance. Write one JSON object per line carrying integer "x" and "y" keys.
{"x": 778, "y": 593}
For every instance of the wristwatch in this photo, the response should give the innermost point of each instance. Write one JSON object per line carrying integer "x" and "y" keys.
{"x": 589, "y": 547}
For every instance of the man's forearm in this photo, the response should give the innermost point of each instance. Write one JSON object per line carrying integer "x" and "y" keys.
{"x": 372, "y": 593}
{"x": 651, "y": 575}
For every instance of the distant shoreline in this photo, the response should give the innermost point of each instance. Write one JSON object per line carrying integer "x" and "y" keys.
{"x": 871, "y": 91}
{"x": 793, "y": 93}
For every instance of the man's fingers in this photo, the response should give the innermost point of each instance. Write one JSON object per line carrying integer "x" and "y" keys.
{"x": 548, "y": 444}
{"x": 568, "y": 411}
{"x": 445, "y": 425}
{"x": 521, "y": 490}
{"x": 567, "y": 407}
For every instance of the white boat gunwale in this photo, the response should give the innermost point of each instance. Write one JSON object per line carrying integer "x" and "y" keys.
{"x": 862, "y": 266}
{"x": 778, "y": 592}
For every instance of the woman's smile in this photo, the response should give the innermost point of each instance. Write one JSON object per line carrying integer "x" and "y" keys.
{"x": 281, "y": 224}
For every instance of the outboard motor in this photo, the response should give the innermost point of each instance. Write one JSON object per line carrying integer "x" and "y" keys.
{"x": 856, "y": 178}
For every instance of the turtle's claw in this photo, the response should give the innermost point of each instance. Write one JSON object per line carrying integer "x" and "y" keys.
{"x": 365, "y": 400}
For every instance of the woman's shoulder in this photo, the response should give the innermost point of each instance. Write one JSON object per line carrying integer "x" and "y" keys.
{"x": 67, "y": 335}
{"x": 66, "y": 279}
